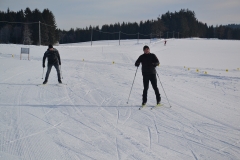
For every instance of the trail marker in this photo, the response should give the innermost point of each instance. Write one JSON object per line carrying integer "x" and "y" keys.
{"x": 24, "y": 51}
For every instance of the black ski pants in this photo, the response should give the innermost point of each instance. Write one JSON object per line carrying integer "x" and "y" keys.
{"x": 56, "y": 65}
{"x": 153, "y": 79}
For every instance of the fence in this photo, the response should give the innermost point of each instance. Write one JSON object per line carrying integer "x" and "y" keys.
{"x": 137, "y": 35}
{"x": 151, "y": 35}
{"x": 28, "y": 23}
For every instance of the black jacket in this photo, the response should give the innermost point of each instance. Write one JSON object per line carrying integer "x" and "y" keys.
{"x": 149, "y": 62}
{"x": 52, "y": 56}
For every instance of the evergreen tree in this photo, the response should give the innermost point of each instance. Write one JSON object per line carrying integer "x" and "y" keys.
{"x": 5, "y": 34}
{"x": 27, "y": 35}
{"x": 183, "y": 22}
{"x": 51, "y": 26}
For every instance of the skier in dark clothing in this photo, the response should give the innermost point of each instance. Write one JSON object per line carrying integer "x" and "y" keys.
{"x": 53, "y": 60}
{"x": 149, "y": 62}
{"x": 165, "y": 42}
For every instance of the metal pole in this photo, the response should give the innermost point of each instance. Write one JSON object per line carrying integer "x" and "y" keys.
{"x": 61, "y": 71}
{"x": 42, "y": 73}
{"x": 164, "y": 90}
{"x": 91, "y": 36}
{"x": 150, "y": 37}
{"x": 138, "y": 37}
{"x": 167, "y": 35}
{"x": 119, "y": 37}
{"x": 132, "y": 85}
{"x": 39, "y": 33}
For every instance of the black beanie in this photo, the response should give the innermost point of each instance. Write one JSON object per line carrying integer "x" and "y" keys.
{"x": 50, "y": 46}
{"x": 145, "y": 47}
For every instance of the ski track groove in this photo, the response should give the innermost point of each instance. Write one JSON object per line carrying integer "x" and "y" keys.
{"x": 156, "y": 128}
{"x": 191, "y": 140}
{"x": 150, "y": 138}
{"x": 207, "y": 117}
{"x": 82, "y": 123}
{"x": 211, "y": 119}
{"x": 56, "y": 127}
{"x": 13, "y": 76}
{"x": 78, "y": 95}
{"x": 189, "y": 147}
{"x": 207, "y": 147}
{"x": 117, "y": 114}
{"x": 118, "y": 153}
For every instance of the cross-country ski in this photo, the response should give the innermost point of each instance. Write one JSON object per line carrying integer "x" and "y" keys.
{"x": 157, "y": 106}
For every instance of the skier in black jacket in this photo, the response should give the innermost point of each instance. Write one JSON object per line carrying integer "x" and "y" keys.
{"x": 149, "y": 62}
{"x": 53, "y": 60}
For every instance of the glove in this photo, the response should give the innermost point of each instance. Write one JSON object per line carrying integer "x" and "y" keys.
{"x": 137, "y": 64}
{"x": 155, "y": 64}
{"x": 43, "y": 65}
{"x": 60, "y": 63}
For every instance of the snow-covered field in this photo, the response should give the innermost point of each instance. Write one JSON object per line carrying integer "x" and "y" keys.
{"x": 89, "y": 119}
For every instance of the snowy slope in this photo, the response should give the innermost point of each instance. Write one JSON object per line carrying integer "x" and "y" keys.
{"x": 89, "y": 119}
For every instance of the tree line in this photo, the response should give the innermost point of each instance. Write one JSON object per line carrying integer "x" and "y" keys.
{"x": 22, "y": 27}
{"x": 180, "y": 24}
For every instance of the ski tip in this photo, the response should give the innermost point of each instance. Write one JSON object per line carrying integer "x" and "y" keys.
{"x": 142, "y": 107}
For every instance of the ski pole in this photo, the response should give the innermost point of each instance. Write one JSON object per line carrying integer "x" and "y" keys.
{"x": 132, "y": 85}
{"x": 164, "y": 90}
{"x": 42, "y": 73}
{"x": 61, "y": 71}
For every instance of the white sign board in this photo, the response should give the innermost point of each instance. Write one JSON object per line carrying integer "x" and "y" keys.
{"x": 25, "y": 51}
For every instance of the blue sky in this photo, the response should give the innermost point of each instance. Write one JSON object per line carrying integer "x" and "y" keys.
{"x": 82, "y": 13}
